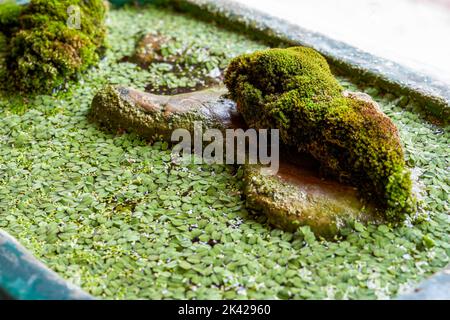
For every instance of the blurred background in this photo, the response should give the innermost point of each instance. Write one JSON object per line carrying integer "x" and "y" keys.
{"x": 414, "y": 33}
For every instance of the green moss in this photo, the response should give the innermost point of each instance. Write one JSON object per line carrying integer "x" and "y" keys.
{"x": 294, "y": 90}
{"x": 3, "y": 44}
{"x": 46, "y": 52}
{"x": 9, "y": 16}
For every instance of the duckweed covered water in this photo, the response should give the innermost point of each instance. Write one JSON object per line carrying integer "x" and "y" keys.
{"x": 112, "y": 214}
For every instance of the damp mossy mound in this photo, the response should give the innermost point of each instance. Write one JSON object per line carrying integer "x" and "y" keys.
{"x": 3, "y": 42}
{"x": 9, "y": 15}
{"x": 46, "y": 50}
{"x": 294, "y": 91}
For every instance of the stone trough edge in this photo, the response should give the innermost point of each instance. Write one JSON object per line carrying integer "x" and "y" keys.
{"x": 360, "y": 66}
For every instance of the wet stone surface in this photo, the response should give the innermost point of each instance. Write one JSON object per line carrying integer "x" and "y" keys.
{"x": 155, "y": 117}
{"x": 297, "y": 196}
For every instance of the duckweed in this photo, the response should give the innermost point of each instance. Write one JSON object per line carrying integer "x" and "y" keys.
{"x": 113, "y": 214}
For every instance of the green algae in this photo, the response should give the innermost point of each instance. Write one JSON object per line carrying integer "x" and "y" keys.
{"x": 114, "y": 215}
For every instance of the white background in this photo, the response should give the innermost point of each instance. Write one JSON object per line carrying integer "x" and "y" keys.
{"x": 415, "y": 33}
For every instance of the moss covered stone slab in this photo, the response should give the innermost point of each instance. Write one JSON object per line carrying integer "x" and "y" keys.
{"x": 157, "y": 116}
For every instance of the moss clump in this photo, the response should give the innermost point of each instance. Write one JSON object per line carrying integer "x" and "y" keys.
{"x": 3, "y": 44}
{"x": 9, "y": 16}
{"x": 9, "y": 22}
{"x": 294, "y": 90}
{"x": 46, "y": 51}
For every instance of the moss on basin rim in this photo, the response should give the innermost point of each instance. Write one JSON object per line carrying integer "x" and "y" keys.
{"x": 293, "y": 90}
{"x": 113, "y": 214}
{"x": 45, "y": 51}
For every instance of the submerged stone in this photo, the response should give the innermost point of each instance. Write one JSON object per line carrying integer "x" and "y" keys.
{"x": 149, "y": 49}
{"x": 190, "y": 67}
{"x": 294, "y": 91}
{"x": 297, "y": 196}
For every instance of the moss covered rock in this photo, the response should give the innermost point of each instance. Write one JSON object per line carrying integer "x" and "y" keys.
{"x": 9, "y": 16}
{"x": 294, "y": 90}
{"x": 296, "y": 196}
{"x": 154, "y": 117}
{"x": 3, "y": 44}
{"x": 46, "y": 51}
